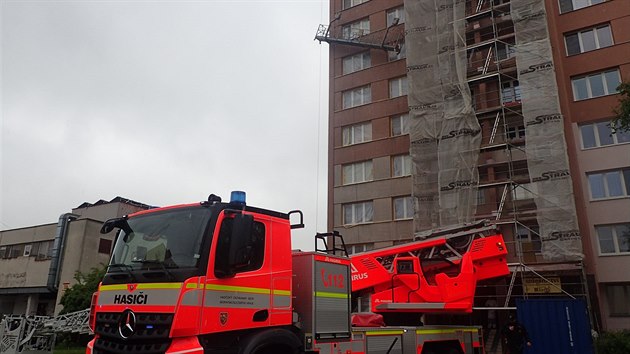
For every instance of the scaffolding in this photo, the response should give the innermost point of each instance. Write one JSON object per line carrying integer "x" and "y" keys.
{"x": 509, "y": 191}
{"x": 504, "y": 191}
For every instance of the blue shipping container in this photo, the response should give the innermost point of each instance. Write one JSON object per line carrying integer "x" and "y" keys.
{"x": 558, "y": 326}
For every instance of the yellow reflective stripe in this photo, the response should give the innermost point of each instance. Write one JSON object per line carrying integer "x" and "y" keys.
{"x": 282, "y": 292}
{"x": 148, "y": 286}
{"x": 383, "y": 333}
{"x": 113, "y": 287}
{"x": 142, "y": 286}
{"x": 331, "y": 295}
{"x": 444, "y": 331}
{"x": 193, "y": 286}
{"x": 242, "y": 289}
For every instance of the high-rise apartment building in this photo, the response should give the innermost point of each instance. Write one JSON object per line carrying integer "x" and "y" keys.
{"x": 487, "y": 109}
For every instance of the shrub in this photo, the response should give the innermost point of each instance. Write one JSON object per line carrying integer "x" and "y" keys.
{"x": 613, "y": 342}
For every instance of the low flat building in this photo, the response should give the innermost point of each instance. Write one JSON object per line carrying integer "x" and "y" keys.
{"x": 38, "y": 263}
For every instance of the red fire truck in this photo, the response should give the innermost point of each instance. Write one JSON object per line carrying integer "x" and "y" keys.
{"x": 217, "y": 277}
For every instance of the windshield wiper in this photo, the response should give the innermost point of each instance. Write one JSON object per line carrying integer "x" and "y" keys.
{"x": 126, "y": 267}
{"x": 154, "y": 261}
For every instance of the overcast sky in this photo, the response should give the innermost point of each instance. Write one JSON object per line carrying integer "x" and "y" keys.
{"x": 162, "y": 102}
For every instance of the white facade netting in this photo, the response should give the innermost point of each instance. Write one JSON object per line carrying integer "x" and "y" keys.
{"x": 544, "y": 131}
{"x": 445, "y": 134}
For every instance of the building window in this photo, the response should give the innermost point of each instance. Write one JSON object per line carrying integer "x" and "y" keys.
{"x": 613, "y": 239}
{"x": 510, "y": 92}
{"x": 505, "y": 50}
{"x": 398, "y": 87}
{"x": 529, "y": 234}
{"x": 609, "y": 184}
{"x": 364, "y": 247}
{"x": 357, "y": 96}
{"x": 570, "y": 5}
{"x": 104, "y": 246}
{"x": 515, "y": 133}
{"x": 401, "y": 54}
{"x": 397, "y": 13}
{"x": 403, "y": 208}
{"x": 355, "y": 134}
{"x": 401, "y": 165}
{"x": 357, "y": 213}
{"x": 357, "y": 172}
{"x": 350, "y": 3}
{"x": 618, "y": 296}
{"x": 356, "y": 62}
{"x": 42, "y": 250}
{"x": 600, "y": 134}
{"x": 13, "y": 251}
{"x": 596, "y": 85}
{"x": 356, "y": 29}
{"x": 400, "y": 124}
{"x": 587, "y": 40}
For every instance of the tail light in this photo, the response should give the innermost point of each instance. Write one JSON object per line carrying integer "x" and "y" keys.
{"x": 92, "y": 321}
{"x": 500, "y": 246}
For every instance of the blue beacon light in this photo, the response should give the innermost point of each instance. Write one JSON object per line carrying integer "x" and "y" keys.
{"x": 237, "y": 197}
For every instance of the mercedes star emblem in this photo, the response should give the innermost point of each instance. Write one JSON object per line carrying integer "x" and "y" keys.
{"x": 127, "y": 324}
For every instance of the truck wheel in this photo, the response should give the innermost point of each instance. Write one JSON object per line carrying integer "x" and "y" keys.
{"x": 271, "y": 341}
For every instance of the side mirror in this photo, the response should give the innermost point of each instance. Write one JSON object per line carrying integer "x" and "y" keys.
{"x": 111, "y": 224}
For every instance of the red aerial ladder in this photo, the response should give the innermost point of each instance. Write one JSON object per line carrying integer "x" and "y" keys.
{"x": 436, "y": 273}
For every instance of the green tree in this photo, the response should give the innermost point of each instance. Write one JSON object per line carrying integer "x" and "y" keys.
{"x": 79, "y": 296}
{"x": 621, "y": 122}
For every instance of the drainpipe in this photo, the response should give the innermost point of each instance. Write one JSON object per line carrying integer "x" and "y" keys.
{"x": 57, "y": 253}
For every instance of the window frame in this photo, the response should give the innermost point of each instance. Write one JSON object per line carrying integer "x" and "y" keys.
{"x": 366, "y": 216}
{"x": 352, "y": 3}
{"x": 363, "y": 165}
{"x": 513, "y": 87}
{"x": 624, "y": 185}
{"x": 353, "y": 59}
{"x": 356, "y": 29}
{"x": 573, "y": 8}
{"x": 406, "y": 165}
{"x": 589, "y": 89}
{"x": 359, "y": 248}
{"x": 401, "y": 121}
{"x": 348, "y": 102}
{"x": 400, "y": 84}
{"x": 610, "y": 301}
{"x": 595, "y": 128}
{"x": 532, "y": 235}
{"x": 508, "y": 48}
{"x": 400, "y": 11}
{"x": 352, "y": 136}
{"x": 407, "y": 205}
{"x": 515, "y": 132}
{"x": 596, "y": 38}
{"x": 615, "y": 239}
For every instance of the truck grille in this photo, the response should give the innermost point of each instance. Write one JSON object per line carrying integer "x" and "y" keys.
{"x": 151, "y": 335}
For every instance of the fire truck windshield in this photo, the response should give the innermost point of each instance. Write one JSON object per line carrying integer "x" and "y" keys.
{"x": 168, "y": 239}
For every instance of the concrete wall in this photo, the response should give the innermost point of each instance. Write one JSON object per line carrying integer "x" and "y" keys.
{"x": 25, "y": 271}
